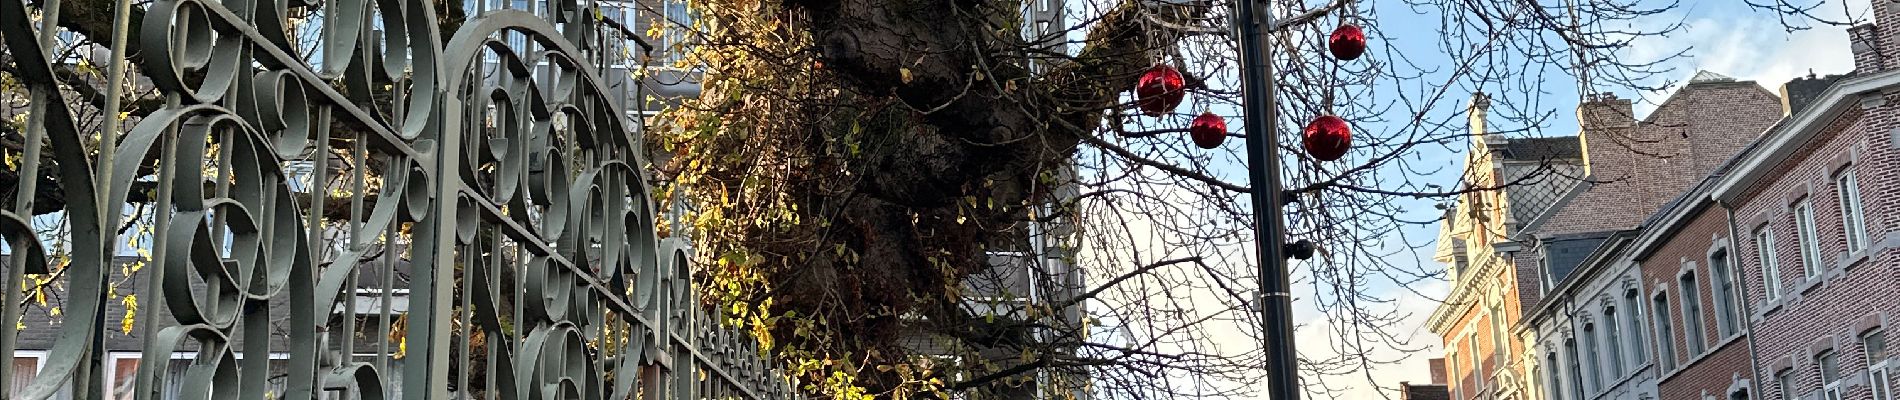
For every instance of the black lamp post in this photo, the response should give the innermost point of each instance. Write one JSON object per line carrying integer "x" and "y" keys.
{"x": 1263, "y": 171}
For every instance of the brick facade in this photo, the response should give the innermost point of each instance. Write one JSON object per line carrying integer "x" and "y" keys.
{"x": 1591, "y": 322}
{"x": 1638, "y": 167}
{"x": 1481, "y": 356}
{"x": 1689, "y": 252}
{"x": 1698, "y": 242}
{"x": 1852, "y": 293}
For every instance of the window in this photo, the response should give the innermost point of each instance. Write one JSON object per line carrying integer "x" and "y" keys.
{"x": 1830, "y": 374}
{"x": 1458, "y": 382}
{"x": 1665, "y": 346}
{"x": 1874, "y": 343}
{"x": 677, "y": 21}
{"x": 1555, "y": 390}
{"x": 1770, "y": 267}
{"x": 1692, "y": 330}
{"x": 1477, "y": 374}
{"x": 1847, "y": 189}
{"x": 1784, "y": 381}
{"x": 1590, "y": 351}
{"x": 1727, "y": 320}
{"x": 1576, "y": 371}
{"x": 1631, "y": 306}
{"x": 1499, "y": 345}
{"x": 1612, "y": 343}
{"x": 1804, "y": 230}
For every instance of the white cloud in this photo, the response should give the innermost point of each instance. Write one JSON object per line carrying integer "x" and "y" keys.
{"x": 1750, "y": 46}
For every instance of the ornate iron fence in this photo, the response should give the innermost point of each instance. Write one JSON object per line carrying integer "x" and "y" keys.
{"x": 475, "y": 221}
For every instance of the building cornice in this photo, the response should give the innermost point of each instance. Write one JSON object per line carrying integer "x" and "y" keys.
{"x": 1779, "y": 144}
{"x": 1463, "y": 289}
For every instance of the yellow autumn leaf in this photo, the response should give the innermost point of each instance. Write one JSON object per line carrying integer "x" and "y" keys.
{"x": 904, "y": 74}
{"x": 125, "y": 324}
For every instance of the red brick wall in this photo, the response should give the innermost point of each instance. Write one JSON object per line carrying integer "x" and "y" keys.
{"x": 1437, "y": 366}
{"x": 1835, "y": 306}
{"x": 1714, "y": 369}
{"x": 1713, "y": 374}
{"x": 1640, "y": 169}
{"x": 1662, "y": 268}
{"x": 1879, "y": 38}
{"x": 1475, "y": 324}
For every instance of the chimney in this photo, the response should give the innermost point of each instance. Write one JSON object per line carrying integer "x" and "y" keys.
{"x": 1872, "y": 43}
{"x": 1480, "y": 106}
{"x": 1797, "y": 94}
{"x": 1864, "y": 41}
{"x": 1599, "y": 117}
{"x": 1438, "y": 371}
{"x": 1605, "y": 110}
{"x": 1483, "y": 141}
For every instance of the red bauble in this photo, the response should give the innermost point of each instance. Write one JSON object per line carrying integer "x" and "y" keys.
{"x": 1328, "y": 138}
{"x": 1348, "y": 42}
{"x": 1160, "y": 90}
{"x": 1208, "y": 130}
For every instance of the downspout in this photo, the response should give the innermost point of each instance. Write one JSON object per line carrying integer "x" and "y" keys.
{"x": 1748, "y": 328}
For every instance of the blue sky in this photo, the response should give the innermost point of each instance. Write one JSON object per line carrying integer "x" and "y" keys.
{"x": 1725, "y": 37}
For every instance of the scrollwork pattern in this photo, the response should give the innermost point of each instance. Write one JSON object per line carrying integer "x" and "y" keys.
{"x": 503, "y": 179}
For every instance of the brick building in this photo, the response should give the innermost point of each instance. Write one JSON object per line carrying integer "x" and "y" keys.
{"x": 1772, "y": 274}
{"x": 1489, "y": 288}
{"x": 1688, "y": 286}
{"x": 1434, "y": 391}
{"x": 1589, "y": 340}
{"x": 1816, "y": 209}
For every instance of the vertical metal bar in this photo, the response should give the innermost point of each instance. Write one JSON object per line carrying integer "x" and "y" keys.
{"x": 23, "y": 205}
{"x": 115, "y": 78}
{"x": 463, "y": 314}
{"x": 429, "y": 341}
{"x": 1263, "y": 172}
{"x": 148, "y": 309}
{"x": 388, "y": 260}
{"x": 490, "y": 338}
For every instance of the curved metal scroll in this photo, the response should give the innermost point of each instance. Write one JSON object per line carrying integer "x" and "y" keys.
{"x": 474, "y": 222}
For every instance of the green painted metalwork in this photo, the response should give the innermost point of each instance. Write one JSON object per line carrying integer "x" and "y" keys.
{"x": 474, "y": 223}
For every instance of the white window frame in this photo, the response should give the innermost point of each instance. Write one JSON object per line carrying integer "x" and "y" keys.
{"x": 1591, "y": 363}
{"x": 1633, "y": 303}
{"x": 1576, "y": 369}
{"x": 1830, "y": 386}
{"x": 1477, "y": 365}
{"x": 1500, "y": 347}
{"x": 1554, "y": 374}
{"x": 1665, "y": 339}
{"x": 1770, "y": 264}
{"x": 1613, "y": 341}
{"x": 1853, "y": 220}
{"x": 1879, "y": 377}
{"x": 1691, "y": 302}
{"x": 1805, "y": 235}
{"x": 1721, "y": 269}
{"x": 1784, "y": 382}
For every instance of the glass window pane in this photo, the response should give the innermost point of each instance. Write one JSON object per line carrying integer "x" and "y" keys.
{"x": 1830, "y": 367}
{"x": 24, "y": 369}
{"x": 1876, "y": 344}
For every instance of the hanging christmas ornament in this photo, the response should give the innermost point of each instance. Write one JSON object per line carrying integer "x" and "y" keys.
{"x": 1160, "y": 90}
{"x": 1208, "y": 130}
{"x": 1348, "y": 42}
{"x": 1327, "y": 138}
